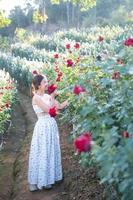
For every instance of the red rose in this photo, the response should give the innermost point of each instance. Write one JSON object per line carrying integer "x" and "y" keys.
{"x": 76, "y": 45}
{"x": 125, "y": 134}
{"x": 58, "y": 79}
{"x": 34, "y": 72}
{"x": 128, "y": 42}
{"x": 100, "y": 39}
{"x": 52, "y": 88}
{"x": 56, "y": 69}
{"x": 70, "y": 63}
{"x": 52, "y": 111}
{"x": 116, "y": 75}
{"x": 56, "y": 56}
{"x": 78, "y": 59}
{"x": 68, "y": 46}
{"x": 120, "y": 61}
{"x": 78, "y": 89}
{"x": 83, "y": 143}
{"x": 7, "y": 105}
{"x": 60, "y": 74}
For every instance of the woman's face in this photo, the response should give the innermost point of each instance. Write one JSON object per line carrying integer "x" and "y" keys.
{"x": 44, "y": 84}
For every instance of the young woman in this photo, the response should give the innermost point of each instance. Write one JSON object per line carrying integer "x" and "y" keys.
{"x": 45, "y": 157}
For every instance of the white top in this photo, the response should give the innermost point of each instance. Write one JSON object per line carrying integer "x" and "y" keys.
{"x": 46, "y": 98}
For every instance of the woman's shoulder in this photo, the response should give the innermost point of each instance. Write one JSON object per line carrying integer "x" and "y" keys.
{"x": 35, "y": 97}
{"x": 44, "y": 97}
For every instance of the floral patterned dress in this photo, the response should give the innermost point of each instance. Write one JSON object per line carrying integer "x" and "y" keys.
{"x": 45, "y": 156}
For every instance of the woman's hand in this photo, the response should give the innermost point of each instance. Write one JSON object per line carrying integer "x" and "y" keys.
{"x": 64, "y": 104}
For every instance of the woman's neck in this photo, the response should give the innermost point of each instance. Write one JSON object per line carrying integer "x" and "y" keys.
{"x": 40, "y": 93}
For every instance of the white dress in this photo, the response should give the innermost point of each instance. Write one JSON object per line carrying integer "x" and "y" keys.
{"x": 45, "y": 156}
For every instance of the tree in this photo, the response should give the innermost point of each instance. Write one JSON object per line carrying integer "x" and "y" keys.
{"x": 18, "y": 17}
{"x": 83, "y": 4}
{"x": 3, "y": 20}
{"x": 29, "y": 10}
{"x": 113, "y": 11}
{"x": 39, "y": 18}
{"x": 65, "y": 12}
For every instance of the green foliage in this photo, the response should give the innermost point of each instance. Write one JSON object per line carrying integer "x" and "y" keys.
{"x": 18, "y": 17}
{"x": 120, "y": 15}
{"x": 84, "y": 5}
{"x": 30, "y": 53}
{"x": 39, "y": 18}
{"x": 114, "y": 12}
{"x": 5, "y": 44}
{"x": 45, "y": 44}
{"x": 20, "y": 33}
{"x": 3, "y": 20}
{"x": 17, "y": 69}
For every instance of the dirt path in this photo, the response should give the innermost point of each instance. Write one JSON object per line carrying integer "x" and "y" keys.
{"x": 9, "y": 154}
{"x": 78, "y": 184}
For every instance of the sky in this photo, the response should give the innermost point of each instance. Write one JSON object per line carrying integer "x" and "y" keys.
{"x": 8, "y": 5}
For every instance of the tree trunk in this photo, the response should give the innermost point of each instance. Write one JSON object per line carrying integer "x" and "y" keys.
{"x": 73, "y": 14}
{"x": 43, "y": 11}
{"x": 78, "y": 15}
{"x": 68, "y": 13}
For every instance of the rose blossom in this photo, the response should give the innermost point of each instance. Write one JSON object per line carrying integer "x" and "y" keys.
{"x": 78, "y": 89}
{"x": 83, "y": 143}
{"x": 52, "y": 88}
{"x": 53, "y": 111}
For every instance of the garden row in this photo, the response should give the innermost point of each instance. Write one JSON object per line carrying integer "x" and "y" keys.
{"x": 7, "y": 99}
{"x": 99, "y": 87}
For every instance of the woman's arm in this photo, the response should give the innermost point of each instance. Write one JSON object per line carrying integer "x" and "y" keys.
{"x": 61, "y": 105}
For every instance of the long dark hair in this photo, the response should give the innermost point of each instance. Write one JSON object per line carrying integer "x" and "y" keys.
{"x": 36, "y": 81}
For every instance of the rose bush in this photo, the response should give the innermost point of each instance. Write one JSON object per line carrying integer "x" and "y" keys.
{"x": 93, "y": 70}
{"x": 7, "y": 99}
